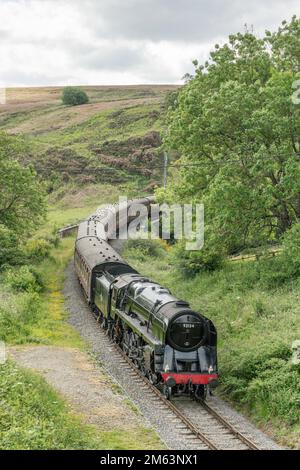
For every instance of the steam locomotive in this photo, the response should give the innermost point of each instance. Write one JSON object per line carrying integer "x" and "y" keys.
{"x": 175, "y": 347}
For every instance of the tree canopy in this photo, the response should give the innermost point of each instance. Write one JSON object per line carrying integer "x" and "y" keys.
{"x": 22, "y": 196}
{"x": 73, "y": 96}
{"x": 238, "y": 132}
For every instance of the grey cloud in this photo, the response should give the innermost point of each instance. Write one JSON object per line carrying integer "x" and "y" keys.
{"x": 4, "y": 35}
{"x": 19, "y": 77}
{"x": 121, "y": 59}
{"x": 184, "y": 20}
{"x": 116, "y": 58}
{"x": 110, "y": 35}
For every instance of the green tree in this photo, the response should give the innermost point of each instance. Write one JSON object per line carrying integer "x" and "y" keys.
{"x": 285, "y": 45}
{"x": 73, "y": 96}
{"x": 22, "y": 196}
{"x": 10, "y": 252}
{"x": 236, "y": 124}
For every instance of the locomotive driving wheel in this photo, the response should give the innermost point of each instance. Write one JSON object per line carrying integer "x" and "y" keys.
{"x": 167, "y": 391}
{"x": 200, "y": 392}
{"x": 153, "y": 379}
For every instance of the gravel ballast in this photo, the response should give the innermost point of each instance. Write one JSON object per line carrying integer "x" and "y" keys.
{"x": 160, "y": 419}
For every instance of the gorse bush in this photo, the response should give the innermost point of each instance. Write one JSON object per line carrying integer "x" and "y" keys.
{"x": 73, "y": 96}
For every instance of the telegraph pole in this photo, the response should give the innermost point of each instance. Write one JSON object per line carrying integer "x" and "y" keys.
{"x": 165, "y": 169}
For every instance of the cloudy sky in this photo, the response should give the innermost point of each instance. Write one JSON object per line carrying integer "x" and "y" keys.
{"x": 58, "y": 42}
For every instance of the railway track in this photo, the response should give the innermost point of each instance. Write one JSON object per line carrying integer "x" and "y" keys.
{"x": 199, "y": 423}
{"x": 221, "y": 435}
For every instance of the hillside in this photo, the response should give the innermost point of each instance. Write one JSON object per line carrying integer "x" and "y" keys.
{"x": 114, "y": 138}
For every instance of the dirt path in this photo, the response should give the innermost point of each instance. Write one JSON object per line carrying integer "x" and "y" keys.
{"x": 83, "y": 384}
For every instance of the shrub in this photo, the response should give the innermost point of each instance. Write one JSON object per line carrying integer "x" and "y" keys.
{"x": 12, "y": 327}
{"x": 263, "y": 378}
{"x": 143, "y": 247}
{"x": 286, "y": 266}
{"x": 193, "y": 262}
{"x": 10, "y": 253}
{"x": 291, "y": 252}
{"x": 31, "y": 307}
{"x": 54, "y": 239}
{"x": 23, "y": 279}
{"x": 274, "y": 272}
{"x": 37, "y": 249}
{"x": 17, "y": 315}
{"x": 277, "y": 390}
{"x": 248, "y": 363}
{"x": 73, "y": 96}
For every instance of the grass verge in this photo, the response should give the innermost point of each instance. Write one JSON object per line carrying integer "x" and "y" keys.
{"x": 30, "y": 316}
{"x": 256, "y": 328}
{"x": 34, "y": 416}
{"x": 53, "y": 327}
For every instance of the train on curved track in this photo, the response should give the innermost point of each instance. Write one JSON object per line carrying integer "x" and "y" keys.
{"x": 174, "y": 346}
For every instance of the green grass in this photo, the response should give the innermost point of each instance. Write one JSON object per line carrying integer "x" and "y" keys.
{"x": 30, "y": 316}
{"x": 34, "y": 416}
{"x": 53, "y": 327}
{"x": 73, "y": 203}
{"x": 256, "y": 327}
{"x": 106, "y": 125}
{"x": 40, "y": 317}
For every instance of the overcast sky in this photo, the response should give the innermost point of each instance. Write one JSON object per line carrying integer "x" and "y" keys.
{"x": 58, "y": 42}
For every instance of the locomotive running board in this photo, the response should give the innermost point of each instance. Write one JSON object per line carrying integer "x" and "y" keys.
{"x": 135, "y": 325}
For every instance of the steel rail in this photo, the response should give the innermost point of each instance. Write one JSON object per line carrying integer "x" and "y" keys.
{"x": 166, "y": 402}
{"x": 201, "y": 436}
{"x": 229, "y": 426}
